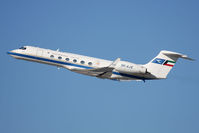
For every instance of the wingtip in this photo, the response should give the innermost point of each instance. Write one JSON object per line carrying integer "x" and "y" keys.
{"x": 188, "y": 58}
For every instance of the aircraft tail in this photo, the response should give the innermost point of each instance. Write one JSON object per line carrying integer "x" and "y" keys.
{"x": 162, "y": 64}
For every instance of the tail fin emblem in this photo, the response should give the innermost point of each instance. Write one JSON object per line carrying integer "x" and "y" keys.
{"x": 158, "y": 61}
{"x": 169, "y": 63}
{"x": 164, "y": 62}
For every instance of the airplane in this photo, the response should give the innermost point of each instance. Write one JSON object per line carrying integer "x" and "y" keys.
{"x": 157, "y": 68}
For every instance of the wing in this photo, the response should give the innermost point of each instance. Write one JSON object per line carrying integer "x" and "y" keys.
{"x": 102, "y": 72}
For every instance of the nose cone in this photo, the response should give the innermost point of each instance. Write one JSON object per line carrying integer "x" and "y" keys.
{"x": 11, "y": 52}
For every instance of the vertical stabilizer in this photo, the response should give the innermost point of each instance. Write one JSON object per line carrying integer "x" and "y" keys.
{"x": 162, "y": 64}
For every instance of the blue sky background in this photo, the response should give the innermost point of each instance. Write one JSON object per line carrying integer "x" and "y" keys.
{"x": 36, "y": 98}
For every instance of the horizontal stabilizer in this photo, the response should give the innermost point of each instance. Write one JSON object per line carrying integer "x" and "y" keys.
{"x": 175, "y": 54}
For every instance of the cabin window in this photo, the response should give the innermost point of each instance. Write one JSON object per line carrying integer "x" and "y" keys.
{"x": 60, "y": 57}
{"x": 82, "y": 62}
{"x": 67, "y": 59}
{"x": 90, "y": 63}
{"x": 74, "y": 60}
{"x": 23, "y": 48}
{"x": 51, "y": 56}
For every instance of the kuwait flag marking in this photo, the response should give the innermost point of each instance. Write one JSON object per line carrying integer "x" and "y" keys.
{"x": 169, "y": 63}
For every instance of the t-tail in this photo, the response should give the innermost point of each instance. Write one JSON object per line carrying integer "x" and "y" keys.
{"x": 162, "y": 64}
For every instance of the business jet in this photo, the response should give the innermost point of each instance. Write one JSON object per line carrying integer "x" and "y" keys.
{"x": 157, "y": 68}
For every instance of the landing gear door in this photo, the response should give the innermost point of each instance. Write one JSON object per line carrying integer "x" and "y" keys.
{"x": 39, "y": 52}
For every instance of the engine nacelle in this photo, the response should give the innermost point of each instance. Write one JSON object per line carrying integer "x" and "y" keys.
{"x": 130, "y": 68}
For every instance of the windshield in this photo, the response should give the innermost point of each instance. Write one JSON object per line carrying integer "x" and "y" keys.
{"x": 23, "y": 48}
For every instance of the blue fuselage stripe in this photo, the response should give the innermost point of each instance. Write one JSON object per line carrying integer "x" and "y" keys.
{"x": 48, "y": 60}
{"x": 70, "y": 64}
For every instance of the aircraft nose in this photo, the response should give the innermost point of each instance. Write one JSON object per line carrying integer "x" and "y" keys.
{"x": 12, "y": 51}
{"x": 9, "y": 52}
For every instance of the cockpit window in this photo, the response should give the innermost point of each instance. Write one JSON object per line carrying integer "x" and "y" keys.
{"x": 23, "y": 48}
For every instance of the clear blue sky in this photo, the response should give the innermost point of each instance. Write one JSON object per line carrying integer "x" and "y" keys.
{"x": 37, "y": 98}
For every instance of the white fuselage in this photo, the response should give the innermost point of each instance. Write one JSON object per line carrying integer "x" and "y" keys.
{"x": 78, "y": 62}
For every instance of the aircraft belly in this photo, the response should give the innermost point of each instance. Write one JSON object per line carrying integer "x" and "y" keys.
{"x": 119, "y": 77}
{"x": 105, "y": 75}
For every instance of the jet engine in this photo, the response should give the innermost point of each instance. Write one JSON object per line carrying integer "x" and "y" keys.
{"x": 130, "y": 68}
